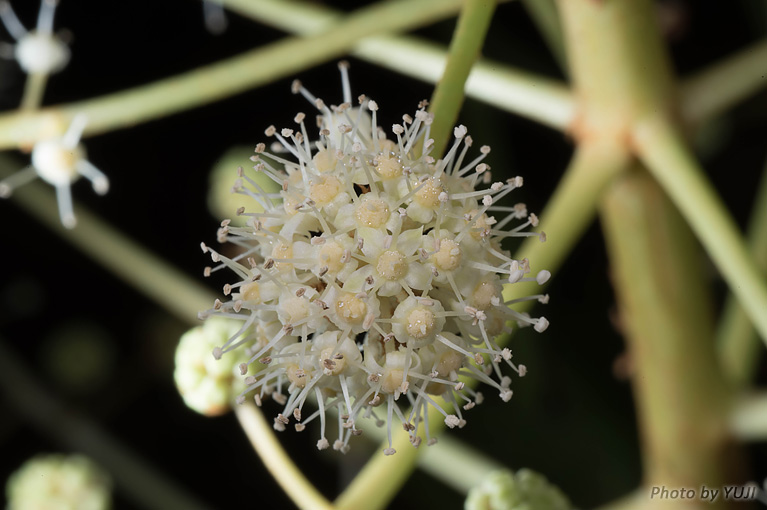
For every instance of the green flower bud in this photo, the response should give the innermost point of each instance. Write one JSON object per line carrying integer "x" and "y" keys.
{"x": 222, "y": 201}
{"x": 207, "y": 385}
{"x": 59, "y": 482}
{"x": 525, "y": 490}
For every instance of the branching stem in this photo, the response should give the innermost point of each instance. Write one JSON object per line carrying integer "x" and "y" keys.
{"x": 222, "y": 79}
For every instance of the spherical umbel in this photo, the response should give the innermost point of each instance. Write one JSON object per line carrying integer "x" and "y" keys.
{"x": 375, "y": 275}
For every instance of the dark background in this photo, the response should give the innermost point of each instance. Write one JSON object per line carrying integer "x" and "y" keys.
{"x": 107, "y": 351}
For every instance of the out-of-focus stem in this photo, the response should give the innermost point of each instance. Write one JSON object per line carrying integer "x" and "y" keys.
{"x": 681, "y": 394}
{"x": 535, "y": 97}
{"x": 34, "y": 90}
{"x": 663, "y": 149}
{"x": 140, "y": 481}
{"x": 623, "y": 80}
{"x": 570, "y": 211}
{"x": 464, "y": 49}
{"x": 738, "y": 343}
{"x": 380, "y": 479}
{"x": 710, "y": 92}
{"x": 225, "y": 78}
{"x": 441, "y": 461}
{"x": 124, "y": 257}
{"x": 618, "y": 64}
{"x": 282, "y": 468}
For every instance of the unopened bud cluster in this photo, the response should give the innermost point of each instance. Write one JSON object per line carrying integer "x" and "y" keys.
{"x": 373, "y": 280}
{"x": 59, "y": 482}
{"x": 208, "y": 386}
{"x": 523, "y": 490}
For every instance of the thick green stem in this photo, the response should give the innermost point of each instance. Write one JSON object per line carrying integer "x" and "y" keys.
{"x": 619, "y": 66}
{"x": 441, "y": 460}
{"x": 280, "y": 465}
{"x": 665, "y": 310}
{"x": 666, "y": 154}
{"x": 541, "y": 99}
{"x": 381, "y": 478}
{"x": 737, "y": 340}
{"x": 464, "y": 49}
{"x": 623, "y": 79}
{"x": 710, "y": 92}
{"x": 226, "y": 78}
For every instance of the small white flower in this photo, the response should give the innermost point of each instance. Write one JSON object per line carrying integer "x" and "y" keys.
{"x": 39, "y": 51}
{"x": 60, "y": 162}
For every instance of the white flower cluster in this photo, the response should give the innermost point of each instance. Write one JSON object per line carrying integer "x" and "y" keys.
{"x": 374, "y": 278}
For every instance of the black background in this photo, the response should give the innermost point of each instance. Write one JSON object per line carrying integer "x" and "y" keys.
{"x": 570, "y": 418}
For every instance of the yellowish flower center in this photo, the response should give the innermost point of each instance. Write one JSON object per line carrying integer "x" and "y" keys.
{"x": 289, "y": 203}
{"x": 391, "y": 265}
{"x": 333, "y": 364}
{"x": 282, "y": 251}
{"x": 388, "y": 166}
{"x": 295, "y": 309}
{"x": 351, "y": 309}
{"x": 420, "y": 323}
{"x": 251, "y": 292}
{"x": 298, "y": 376}
{"x": 482, "y": 296}
{"x": 325, "y": 190}
{"x": 325, "y": 161}
{"x": 392, "y": 380}
{"x": 428, "y": 195}
{"x": 449, "y": 362}
{"x": 479, "y": 226}
{"x": 372, "y": 212}
{"x": 448, "y": 257}
{"x": 330, "y": 256}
